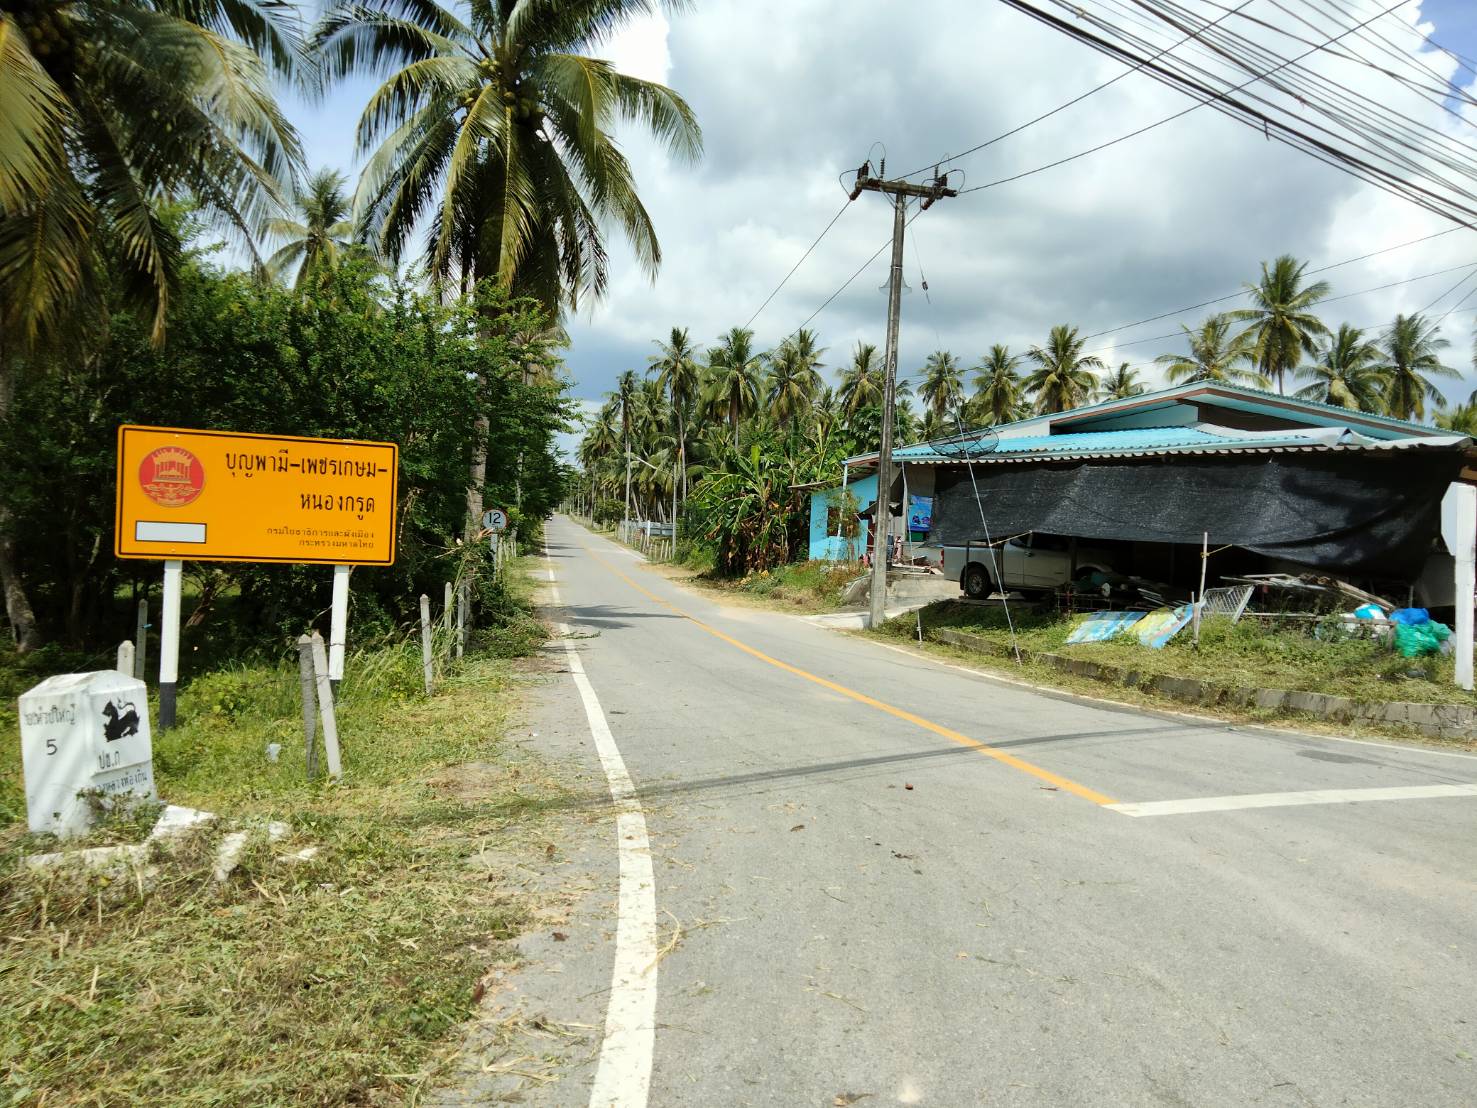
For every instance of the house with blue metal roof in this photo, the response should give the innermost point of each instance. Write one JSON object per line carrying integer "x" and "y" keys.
{"x": 1292, "y": 480}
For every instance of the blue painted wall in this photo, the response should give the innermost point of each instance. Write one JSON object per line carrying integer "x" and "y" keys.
{"x": 827, "y": 547}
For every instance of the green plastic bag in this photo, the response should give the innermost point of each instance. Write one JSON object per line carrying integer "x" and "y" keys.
{"x": 1413, "y": 640}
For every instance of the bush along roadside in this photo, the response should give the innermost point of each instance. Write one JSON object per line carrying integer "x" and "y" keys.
{"x": 1246, "y": 669}
{"x": 815, "y": 586}
{"x": 333, "y": 959}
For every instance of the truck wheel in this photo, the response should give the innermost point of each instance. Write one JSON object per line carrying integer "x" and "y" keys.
{"x": 976, "y": 582}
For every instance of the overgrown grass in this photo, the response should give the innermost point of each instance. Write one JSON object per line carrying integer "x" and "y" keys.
{"x": 1246, "y": 654}
{"x": 330, "y": 981}
{"x": 807, "y": 586}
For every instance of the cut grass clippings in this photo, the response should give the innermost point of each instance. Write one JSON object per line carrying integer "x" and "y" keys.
{"x": 331, "y": 981}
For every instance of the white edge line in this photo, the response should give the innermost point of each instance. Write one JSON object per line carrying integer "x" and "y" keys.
{"x": 1291, "y": 799}
{"x": 623, "y": 1077}
{"x": 1214, "y": 722}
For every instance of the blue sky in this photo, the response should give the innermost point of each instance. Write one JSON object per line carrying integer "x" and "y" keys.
{"x": 1179, "y": 215}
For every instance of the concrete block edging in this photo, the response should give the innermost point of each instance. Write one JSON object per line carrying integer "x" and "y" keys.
{"x": 1439, "y": 720}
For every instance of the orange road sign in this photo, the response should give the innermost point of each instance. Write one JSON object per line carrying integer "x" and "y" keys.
{"x": 218, "y": 496}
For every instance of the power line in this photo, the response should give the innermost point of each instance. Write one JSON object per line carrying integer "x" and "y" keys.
{"x": 1212, "y": 96}
{"x": 1242, "y": 292}
{"x": 1447, "y": 293}
{"x": 1333, "y": 150}
{"x": 1470, "y": 267}
{"x": 824, "y": 231}
{"x": 846, "y": 284}
{"x": 1075, "y": 100}
{"x": 1315, "y": 147}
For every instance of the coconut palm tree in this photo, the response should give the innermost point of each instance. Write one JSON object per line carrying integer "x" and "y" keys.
{"x": 1120, "y": 383}
{"x": 1063, "y": 376}
{"x": 935, "y": 425}
{"x": 1349, "y": 372}
{"x": 494, "y": 128}
{"x": 1215, "y": 355}
{"x": 1280, "y": 325}
{"x": 904, "y": 421}
{"x": 825, "y": 413}
{"x": 320, "y": 234}
{"x": 624, "y": 400}
{"x": 794, "y": 379}
{"x": 680, "y": 374}
{"x": 942, "y": 387}
{"x": 733, "y": 378}
{"x": 861, "y": 382}
{"x": 107, "y": 108}
{"x": 600, "y": 448}
{"x": 997, "y": 383}
{"x": 1461, "y": 419}
{"x": 1412, "y": 348}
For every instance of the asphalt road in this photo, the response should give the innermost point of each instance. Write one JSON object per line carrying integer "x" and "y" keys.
{"x": 870, "y": 904}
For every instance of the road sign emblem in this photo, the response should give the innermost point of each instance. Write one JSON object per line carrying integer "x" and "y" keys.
{"x": 171, "y": 476}
{"x": 495, "y": 519}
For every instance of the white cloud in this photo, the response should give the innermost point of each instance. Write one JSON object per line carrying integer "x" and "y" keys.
{"x": 792, "y": 94}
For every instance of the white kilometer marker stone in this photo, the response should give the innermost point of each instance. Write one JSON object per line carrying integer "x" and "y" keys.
{"x": 1288, "y": 800}
{"x": 623, "y": 1078}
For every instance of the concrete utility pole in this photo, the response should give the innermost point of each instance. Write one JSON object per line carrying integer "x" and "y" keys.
{"x": 901, "y": 192}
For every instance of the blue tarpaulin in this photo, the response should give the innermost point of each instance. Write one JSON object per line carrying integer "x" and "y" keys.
{"x": 1103, "y": 625}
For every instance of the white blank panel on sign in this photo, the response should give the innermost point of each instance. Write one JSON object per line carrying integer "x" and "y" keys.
{"x": 153, "y": 531}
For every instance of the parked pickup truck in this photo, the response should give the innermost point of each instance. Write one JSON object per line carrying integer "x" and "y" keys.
{"x": 1029, "y": 562}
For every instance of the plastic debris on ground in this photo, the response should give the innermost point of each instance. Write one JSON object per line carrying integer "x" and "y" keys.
{"x": 1153, "y": 629}
{"x": 1157, "y": 628}
{"x": 1416, "y": 633}
{"x": 1101, "y": 626}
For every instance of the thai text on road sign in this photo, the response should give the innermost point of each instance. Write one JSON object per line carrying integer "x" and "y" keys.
{"x": 226, "y": 497}
{"x": 495, "y": 519}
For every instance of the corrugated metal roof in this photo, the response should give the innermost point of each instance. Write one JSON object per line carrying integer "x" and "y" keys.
{"x": 1140, "y": 438}
{"x": 1225, "y": 391}
{"x": 1360, "y": 430}
{"x": 1148, "y": 441}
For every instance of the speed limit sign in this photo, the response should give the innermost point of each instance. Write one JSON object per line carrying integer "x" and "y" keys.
{"x": 495, "y": 519}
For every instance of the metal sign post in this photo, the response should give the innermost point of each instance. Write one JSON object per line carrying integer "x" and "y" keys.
{"x": 338, "y": 626}
{"x": 1459, "y": 530}
{"x": 169, "y": 642}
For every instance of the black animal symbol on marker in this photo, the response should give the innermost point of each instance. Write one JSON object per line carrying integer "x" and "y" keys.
{"x": 122, "y": 721}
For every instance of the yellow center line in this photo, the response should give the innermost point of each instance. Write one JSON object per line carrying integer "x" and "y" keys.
{"x": 1064, "y": 783}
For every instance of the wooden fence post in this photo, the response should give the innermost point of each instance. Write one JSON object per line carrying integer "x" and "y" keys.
{"x": 310, "y": 704}
{"x": 461, "y": 620}
{"x": 426, "y": 639}
{"x": 446, "y": 617}
{"x": 141, "y": 640}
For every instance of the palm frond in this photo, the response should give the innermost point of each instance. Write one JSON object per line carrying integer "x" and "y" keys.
{"x": 35, "y": 111}
{"x": 360, "y": 39}
{"x": 46, "y": 265}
